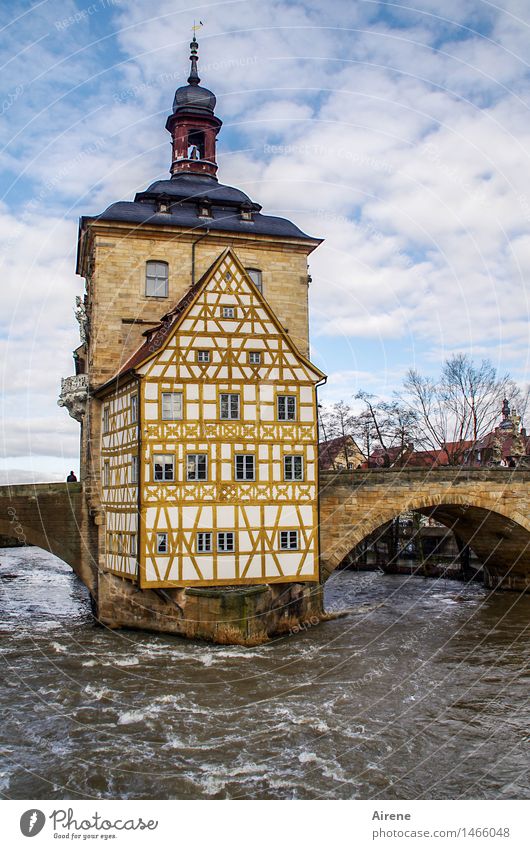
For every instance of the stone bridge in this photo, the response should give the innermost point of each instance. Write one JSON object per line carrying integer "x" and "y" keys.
{"x": 488, "y": 508}
{"x": 54, "y": 517}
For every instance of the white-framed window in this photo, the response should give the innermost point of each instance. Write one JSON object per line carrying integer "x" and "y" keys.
{"x": 226, "y": 541}
{"x": 288, "y": 540}
{"x": 293, "y": 467}
{"x": 256, "y": 277}
{"x": 254, "y": 358}
{"x": 203, "y": 356}
{"x": 244, "y": 467}
{"x": 204, "y": 542}
{"x": 119, "y": 543}
{"x": 171, "y": 406}
{"x": 286, "y": 408}
{"x": 229, "y": 312}
{"x": 134, "y": 408}
{"x": 161, "y": 543}
{"x": 229, "y": 406}
{"x": 106, "y": 418}
{"x": 156, "y": 279}
{"x": 133, "y": 545}
{"x": 163, "y": 467}
{"x": 197, "y": 467}
{"x": 134, "y": 468}
{"x": 106, "y": 473}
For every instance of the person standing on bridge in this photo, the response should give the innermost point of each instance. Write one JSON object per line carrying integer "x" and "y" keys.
{"x": 71, "y": 478}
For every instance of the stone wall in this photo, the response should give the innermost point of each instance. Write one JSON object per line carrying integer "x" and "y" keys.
{"x": 228, "y": 615}
{"x": 117, "y": 287}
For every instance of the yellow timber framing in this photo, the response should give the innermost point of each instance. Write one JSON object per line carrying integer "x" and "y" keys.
{"x": 272, "y": 318}
{"x": 248, "y": 436}
{"x": 264, "y": 543}
{"x": 119, "y": 444}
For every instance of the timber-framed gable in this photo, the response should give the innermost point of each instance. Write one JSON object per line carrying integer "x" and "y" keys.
{"x": 206, "y": 411}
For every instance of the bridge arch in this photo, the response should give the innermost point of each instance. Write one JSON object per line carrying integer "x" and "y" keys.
{"x": 33, "y": 536}
{"x": 492, "y": 519}
{"x": 52, "y": 517}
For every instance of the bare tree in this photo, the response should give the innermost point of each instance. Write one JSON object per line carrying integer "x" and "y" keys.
{"x": 338, "y": 421}
{"x": 455, "y": 411}
{"x": 363, "y": 432}
{"x": 389, "y": 425}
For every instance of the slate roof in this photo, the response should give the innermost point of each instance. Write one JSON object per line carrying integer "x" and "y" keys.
{"x": 195, "y": 187}
{"x": 183, "y": 193}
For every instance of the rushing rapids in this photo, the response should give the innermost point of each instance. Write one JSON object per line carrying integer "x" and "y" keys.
{"x": 417, "y": 692}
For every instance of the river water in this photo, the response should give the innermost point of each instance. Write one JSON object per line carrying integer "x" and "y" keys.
{"x": 418, "y": 692}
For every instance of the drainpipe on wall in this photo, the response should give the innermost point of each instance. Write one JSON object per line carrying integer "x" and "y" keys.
{"x": 139, "y": 479}
{"x": 193, "y": 254}
{"x": 319, "y": 550}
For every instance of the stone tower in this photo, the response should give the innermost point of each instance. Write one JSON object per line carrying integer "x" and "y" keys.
{"x": 142, "y": 260}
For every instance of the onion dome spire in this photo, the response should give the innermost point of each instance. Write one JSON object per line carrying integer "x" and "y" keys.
{"x": 194, "y": 78}
{"x": 193, "y": 125}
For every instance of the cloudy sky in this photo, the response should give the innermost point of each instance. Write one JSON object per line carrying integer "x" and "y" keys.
{"x": 398, "y": 131}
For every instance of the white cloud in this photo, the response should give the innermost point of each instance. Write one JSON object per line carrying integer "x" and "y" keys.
{"x": 400, "y": 137}
{"x": 17, "y": 476}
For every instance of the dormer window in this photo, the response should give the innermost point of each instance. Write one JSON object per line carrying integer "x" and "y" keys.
{"x": 205, "y": 209}
{"x": 246, "y": 212}
{"x": 163, "y": 206}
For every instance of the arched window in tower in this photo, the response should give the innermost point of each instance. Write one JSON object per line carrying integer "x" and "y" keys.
{"x": 156, "y": 279}
{"x": 255, "y": 276}
{"x": 196, "y": 145}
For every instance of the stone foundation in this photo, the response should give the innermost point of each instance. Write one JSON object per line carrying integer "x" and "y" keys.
{"x": 244, "y": 616}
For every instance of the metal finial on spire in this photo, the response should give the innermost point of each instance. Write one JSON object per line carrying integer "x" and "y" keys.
{"x": 194, "y": 78}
